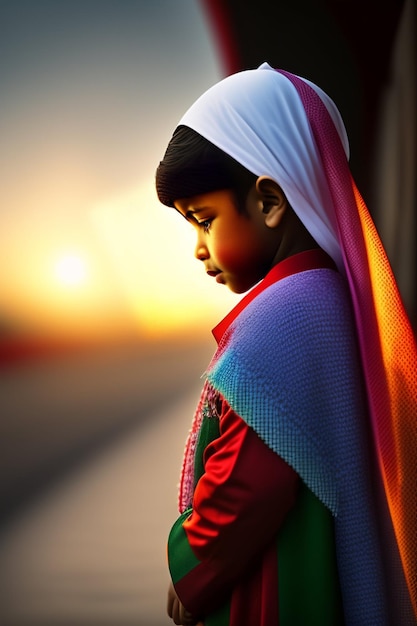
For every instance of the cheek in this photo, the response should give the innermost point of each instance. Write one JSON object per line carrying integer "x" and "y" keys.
{"x": 239, "y": 253}
{"x": 228, "y": 251}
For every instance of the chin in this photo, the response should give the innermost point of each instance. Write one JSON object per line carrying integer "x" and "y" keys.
{"x": 238, "y": 289}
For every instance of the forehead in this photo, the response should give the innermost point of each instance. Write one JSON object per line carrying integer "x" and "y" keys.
{"x": 210, "y": 200}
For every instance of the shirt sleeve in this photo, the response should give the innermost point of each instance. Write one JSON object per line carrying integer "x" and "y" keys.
{"x": 239, "y": 504}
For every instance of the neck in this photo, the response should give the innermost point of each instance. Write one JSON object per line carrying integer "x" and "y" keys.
{"x": 294, "y": 238}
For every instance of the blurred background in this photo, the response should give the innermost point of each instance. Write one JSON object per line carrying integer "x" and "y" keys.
{"x": 105, "y": 316}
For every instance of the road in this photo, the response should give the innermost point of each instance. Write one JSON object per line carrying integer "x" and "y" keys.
{"x": 89, "y": 549}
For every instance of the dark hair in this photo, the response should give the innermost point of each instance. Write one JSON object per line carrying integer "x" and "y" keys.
{"x": 192, "y": 165}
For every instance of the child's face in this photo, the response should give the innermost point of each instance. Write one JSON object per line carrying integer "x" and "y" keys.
{"x": 237, "y": 249}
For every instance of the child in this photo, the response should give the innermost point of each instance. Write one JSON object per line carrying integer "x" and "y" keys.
{"x": 298, "y": 487}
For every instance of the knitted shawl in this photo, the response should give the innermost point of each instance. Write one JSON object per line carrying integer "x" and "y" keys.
{"x": 289, "y": 366}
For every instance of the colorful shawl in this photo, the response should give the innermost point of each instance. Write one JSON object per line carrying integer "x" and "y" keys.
{"x": 305, "y": 399}
{"x": 285, "y": 127}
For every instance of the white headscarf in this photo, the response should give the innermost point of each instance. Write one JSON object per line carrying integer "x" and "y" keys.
{"x": 256, "y": 117}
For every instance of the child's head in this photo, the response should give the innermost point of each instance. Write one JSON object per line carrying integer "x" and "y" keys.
{"x": 244, "y": 223}
{"x": 254, "y": 124}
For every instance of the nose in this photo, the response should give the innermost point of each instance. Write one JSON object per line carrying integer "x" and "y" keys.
{"x": 201, "y": 252}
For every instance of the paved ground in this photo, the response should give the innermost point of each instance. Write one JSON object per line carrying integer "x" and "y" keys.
{"x": 91, "y": 550}
{"x": 55, "y": 412}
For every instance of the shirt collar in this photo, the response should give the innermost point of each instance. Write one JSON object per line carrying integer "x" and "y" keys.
{"x": 301, "y": 262}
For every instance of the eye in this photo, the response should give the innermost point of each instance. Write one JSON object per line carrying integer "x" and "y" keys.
{"x": 206, "y": 225}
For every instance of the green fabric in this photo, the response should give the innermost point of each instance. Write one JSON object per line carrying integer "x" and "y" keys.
{"x": 309, "y": 590}
{"x": 181, "y": 558}
{"x": 209, "y": 431}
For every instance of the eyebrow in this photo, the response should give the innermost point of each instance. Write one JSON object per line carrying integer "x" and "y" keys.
{"x": 192, "y": 212}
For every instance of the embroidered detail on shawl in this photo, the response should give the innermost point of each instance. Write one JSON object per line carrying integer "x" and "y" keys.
{"x": 206, "y": 408}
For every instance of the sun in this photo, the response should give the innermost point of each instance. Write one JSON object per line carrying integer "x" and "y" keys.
{"x": 71, "y": 270}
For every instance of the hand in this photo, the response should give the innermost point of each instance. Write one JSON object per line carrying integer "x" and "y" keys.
{"x": 177, "y": 612}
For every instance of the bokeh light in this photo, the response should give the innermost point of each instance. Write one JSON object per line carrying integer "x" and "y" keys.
{"x": 71, "y": 270}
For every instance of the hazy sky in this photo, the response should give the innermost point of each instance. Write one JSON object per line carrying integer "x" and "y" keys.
{"x": 91, "y": 91}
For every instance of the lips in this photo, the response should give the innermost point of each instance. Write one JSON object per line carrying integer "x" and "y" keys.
{"x": 217, "y": 274}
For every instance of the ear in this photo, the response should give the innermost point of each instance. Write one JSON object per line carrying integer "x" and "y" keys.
{"x": 274, "y": 201}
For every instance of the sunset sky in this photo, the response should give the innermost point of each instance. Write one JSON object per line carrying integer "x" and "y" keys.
{"x": 91, "y": 92}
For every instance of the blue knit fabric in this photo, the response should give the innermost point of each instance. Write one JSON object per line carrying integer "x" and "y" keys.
{"x": 289, "y": 366}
